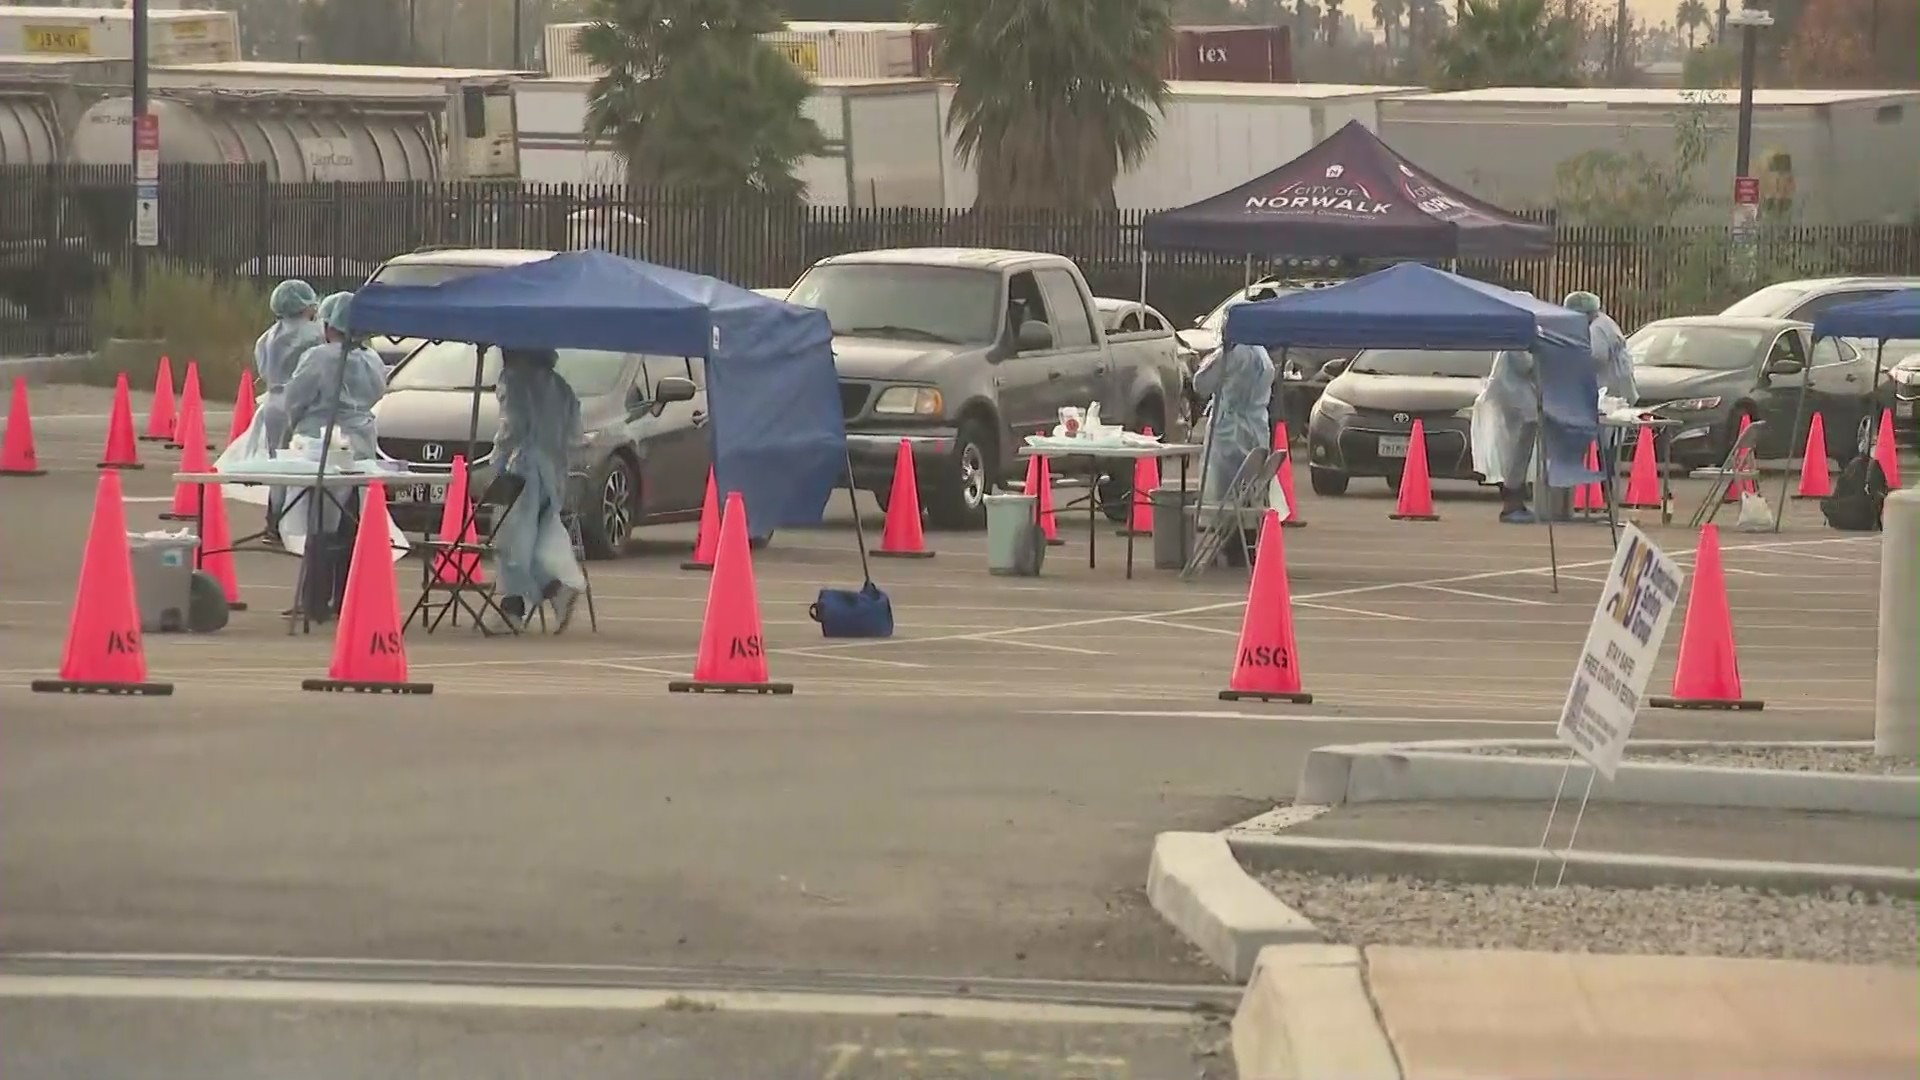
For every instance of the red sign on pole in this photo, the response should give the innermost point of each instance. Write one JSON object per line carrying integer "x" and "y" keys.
{"x": 146, "y": 132}
{"x": 1746, "y": 190}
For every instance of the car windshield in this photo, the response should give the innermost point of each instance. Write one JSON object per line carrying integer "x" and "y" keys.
{"x": 448, "y": 365}
{"x": 1708, "y": 348}
{"x": 1447, "y": 363}
{"x": 1772, "y": 302}
{"x": 939, "y": 304}
{"x": 424, "y": 273}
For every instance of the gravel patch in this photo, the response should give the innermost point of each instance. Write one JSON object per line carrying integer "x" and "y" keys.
{"x": 1840, "y": 926}
{"x": 1790, "y": 758}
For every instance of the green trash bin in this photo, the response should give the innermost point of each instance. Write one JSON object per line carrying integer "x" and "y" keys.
{"x": 1015, "y": 546}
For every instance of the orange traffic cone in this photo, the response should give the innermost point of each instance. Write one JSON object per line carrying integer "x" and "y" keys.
{"x": 706, "y": 542}
{"x": 193, "y": 459}
{"x": 190, "y": 405}
{"x": 733, "y": 651}
{"x": 1590, "y": 496}
{"x": 1643, "y": 479}
{"x": 1040, "y": 484}
{"x": 161, "y": 418}
{"x": 105, "y": 653}
{"x": 121, "y": 451}
{"x": 1416, "y": 487}
{"x": 1146, "y": 478}
{"x": 1708, "y": 674}
{"x": 243, "y": 407}
{"x": 456, "y": 527}
{"x": 1281, "y": 442}
{"x": 1815, "y": 480}
{"x": 17, "y": 456}
{"x": 216, "y": 546}
{"x": 1744, "y": 460}
{"x": 1266, "y": 664}
{"x": 369, "y": 651}
{"x": 903, "y": 538}
{"x": 1885, "y": 452}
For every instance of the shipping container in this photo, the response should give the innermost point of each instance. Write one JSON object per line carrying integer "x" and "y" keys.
{"x": 308, "y": 122}
{"x": 823, "y": 50}
{"x": 1830, "y": 157}
{"x": 883, "y": 141}
{"x": 174, "y": 37}
{"x": 1252, "y": 54}
{"x": 1215, "y": 136}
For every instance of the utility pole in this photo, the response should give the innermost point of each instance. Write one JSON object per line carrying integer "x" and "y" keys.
{"x": 1746, "y": 187}
{"x": 146, "y": 159}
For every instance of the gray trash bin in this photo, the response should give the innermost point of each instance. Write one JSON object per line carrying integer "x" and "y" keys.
{"x": 163, "y": 580}
{"x": 1015, "y": 547}
{"x": 1172, "y": 524}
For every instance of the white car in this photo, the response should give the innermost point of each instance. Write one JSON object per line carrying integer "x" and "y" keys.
{"x": 1805, "y": 299}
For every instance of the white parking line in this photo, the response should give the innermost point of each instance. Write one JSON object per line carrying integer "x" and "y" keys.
{"x": 1392, "y": 616}
{"x": 1482, "y": 596}
{"x": 1291, "y": 717}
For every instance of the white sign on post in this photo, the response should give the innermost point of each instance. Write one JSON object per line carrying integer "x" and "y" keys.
{"x": 146, "y": 215}
{"x": 1642, "y": 589}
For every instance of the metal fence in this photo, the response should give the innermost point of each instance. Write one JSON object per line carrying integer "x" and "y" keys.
{"x": 65, "y": 230}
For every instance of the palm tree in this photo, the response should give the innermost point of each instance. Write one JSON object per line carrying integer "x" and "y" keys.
{"x": 1387, "y": 14}
{"x": 1333, "y": 21}
{"x": 1053, "y": 97}
{"x": 691, "y": 98}
{"x": 1508, "y": 43}
{"x": 1306, "y": 17}
{"x": 1692, "y": 17}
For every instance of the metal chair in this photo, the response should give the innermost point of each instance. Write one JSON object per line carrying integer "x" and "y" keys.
{"x": 1739, "y": 465}
{"x": 444, "y": 598}
{"x": 1225, "y": 522}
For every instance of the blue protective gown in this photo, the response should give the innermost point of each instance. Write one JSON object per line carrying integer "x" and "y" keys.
{"x": 1239, "y": 380}
{"x": 310, "y": 395}
{"x": 275, "y": 356}
{"x": 1610, "y": 359}
{"x": 1505, "y": 420}
{"x": 539, "y": 423}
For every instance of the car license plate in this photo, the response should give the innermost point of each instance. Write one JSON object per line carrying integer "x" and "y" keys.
{"x": 429, "y": 493}
{"x": 1393, "y": 446}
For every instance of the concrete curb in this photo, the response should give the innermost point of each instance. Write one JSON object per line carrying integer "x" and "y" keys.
{"x": 37, "y": 369}
{"x": 1307, "y": 1015}
{"x": 1486, "y": 865}
{"x": 1196, "y": 884}
{"x": 1431, "y": 771}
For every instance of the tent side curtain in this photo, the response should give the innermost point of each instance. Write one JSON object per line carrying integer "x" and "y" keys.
{"x": 772, "y": 391}
{"x": 1896, "y": 315}
{"x": 1412, "y": 306}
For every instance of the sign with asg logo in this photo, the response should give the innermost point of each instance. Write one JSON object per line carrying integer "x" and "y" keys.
{"x": 1629, "y": 623}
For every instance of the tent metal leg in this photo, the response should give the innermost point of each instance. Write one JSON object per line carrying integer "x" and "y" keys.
{"x": 1543, "y": 497}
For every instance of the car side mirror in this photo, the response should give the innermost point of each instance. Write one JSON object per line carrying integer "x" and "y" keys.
{"x": 1785, "y": 366}
{"x": 671, "y": 389}
{"x": 1333, "y": 369}
{"x": 1034, "y": 336}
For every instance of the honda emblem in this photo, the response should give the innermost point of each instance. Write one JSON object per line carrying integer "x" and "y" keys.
{"x": 1402, "y": 418}
{"x": 433, "y": 451}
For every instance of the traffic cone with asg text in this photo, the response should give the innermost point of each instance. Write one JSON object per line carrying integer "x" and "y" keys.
{"x": 122, "y": 452}
{"x": 243, "y": 406}
{"x": 1885, "y": 452}
{"x": 17, "y": 455}
{"x": 1707, "y": 675}
{"x": 1816, "y": 482}
{"x": 193, "y": 459}
{"x": 369, "y": 649}
{"x": 903, "y": 538}
{"x": 1643, "y": 479}
{"x": 1266, "y": 664}
{"x": 1040, "y": 484}
{"x": 733, "y": 649}
{"x": 1416, "y": 487}
{"x": 1146, "y": 480}
{"x": 161, "y": 417}
{"x": 706, "y": 541}
{"x": 1293, "y": 520}
{"x": 105, "y": 653}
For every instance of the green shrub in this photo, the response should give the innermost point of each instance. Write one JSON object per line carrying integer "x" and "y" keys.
{"x": 182, "y": 313}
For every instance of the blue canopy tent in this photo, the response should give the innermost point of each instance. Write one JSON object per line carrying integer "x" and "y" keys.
{"x": 1882, "y": 319}
{"x": 1414, "y": 306}
{"x": 778, "y": 434}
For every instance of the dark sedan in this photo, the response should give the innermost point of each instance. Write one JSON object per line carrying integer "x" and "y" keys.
{"x": 1361, "y": 423}
{"x": 1708, "y": 372}
{"x": 642, "y": 459}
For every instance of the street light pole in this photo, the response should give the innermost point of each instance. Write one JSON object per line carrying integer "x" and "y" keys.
{"x": 1746, "y": 188}
{"x": 137, "y": 260}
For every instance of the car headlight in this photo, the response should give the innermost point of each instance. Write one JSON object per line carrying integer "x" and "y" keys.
{"x": 1463, "y": 414}
{"x": 910, "y": 401}
{"x": 1698, "y": 404}
{"x": 587, "y": 439}
{"x": 1328, "y": 405}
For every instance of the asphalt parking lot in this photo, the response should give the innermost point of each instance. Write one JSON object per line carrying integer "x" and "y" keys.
{"x": 975, "y": 797}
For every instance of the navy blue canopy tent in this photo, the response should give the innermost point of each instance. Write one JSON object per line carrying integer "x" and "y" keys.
{"x": 1895, "y": 315}
{"x": 1414, "y": 306}
{"x": 778, "y": 434}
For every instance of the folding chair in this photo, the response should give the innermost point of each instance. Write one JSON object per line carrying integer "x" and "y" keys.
{"x": 571, "y": 519}
{"x": 1738, "y": 466}
{"x": 463, "y": 591}
{"x": 1227, "y": 522}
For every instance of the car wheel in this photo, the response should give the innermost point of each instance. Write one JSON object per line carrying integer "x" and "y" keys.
{"x": 607, "y": 519}
{"x": 959, "y": 499}
{"x": 1328, "y": 482}
{"x": 1867, "y": 430}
